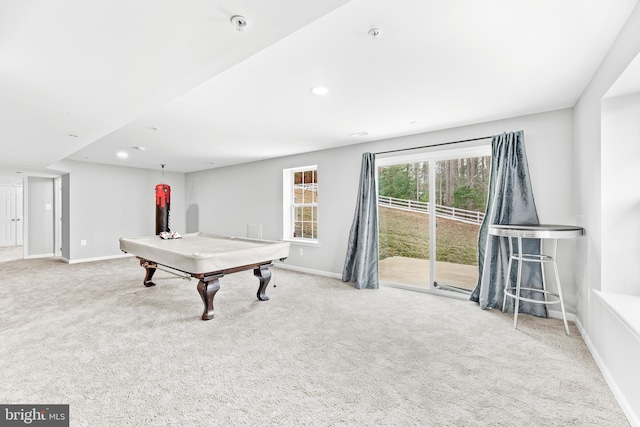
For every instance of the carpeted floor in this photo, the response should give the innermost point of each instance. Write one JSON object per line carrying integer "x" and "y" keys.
{"x": 317, "y": 353}
{"x": 11, "y": 253}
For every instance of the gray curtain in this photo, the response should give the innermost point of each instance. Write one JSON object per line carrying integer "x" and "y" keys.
{"x": 361, "y": 262}
{"x": 510, "y": 201}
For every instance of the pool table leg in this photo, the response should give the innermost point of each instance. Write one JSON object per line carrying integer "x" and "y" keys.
{"x": 150, "y": 268}
{"x": 207, "y": 288}
{"x": 264, "y": 275}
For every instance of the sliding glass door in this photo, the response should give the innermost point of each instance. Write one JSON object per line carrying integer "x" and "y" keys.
{"x": 431, "y": 206}
{"x": 403, "y": 207}
{"x": 460, "y": 201}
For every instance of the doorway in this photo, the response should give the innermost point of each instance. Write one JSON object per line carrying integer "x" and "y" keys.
{"x": 431, "y": 206}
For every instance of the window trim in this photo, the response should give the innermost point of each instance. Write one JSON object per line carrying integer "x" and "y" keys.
{"x": 288, "y": 207}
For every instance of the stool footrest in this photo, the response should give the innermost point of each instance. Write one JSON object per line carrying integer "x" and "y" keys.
{"x": 513, "y": 295}
{"x": 533, "y": 258}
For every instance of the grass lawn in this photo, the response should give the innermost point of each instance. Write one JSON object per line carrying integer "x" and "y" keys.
{"x": 407, "y": 234}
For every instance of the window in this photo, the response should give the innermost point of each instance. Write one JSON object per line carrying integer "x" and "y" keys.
{"x": 300, "y": 191}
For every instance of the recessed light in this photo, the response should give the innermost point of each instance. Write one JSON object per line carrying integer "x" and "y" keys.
{"x": 73, "y": 135}
{"x": 122, "y": 154}
{"x": 139, "y": 148}
{"x": 319, "y": 90}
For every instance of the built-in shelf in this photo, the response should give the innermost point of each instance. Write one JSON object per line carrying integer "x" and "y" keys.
{"x": 625, "y": 307}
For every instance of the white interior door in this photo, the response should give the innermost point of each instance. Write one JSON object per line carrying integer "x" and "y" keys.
{"x": 8, "y": 215}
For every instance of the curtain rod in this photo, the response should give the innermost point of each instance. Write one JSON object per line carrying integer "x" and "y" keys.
{"x": 434, "y": 145}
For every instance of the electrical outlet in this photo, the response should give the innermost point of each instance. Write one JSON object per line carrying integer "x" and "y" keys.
{"x": 301, "y": 251}
{"x": 83, "y": 243}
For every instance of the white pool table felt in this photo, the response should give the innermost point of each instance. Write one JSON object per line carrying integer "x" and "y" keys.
{"x": 198, "y": 253}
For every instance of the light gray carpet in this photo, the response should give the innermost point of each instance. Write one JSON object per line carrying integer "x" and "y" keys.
{"x": 11, "y": 253}
{"x": 318, "y": 353}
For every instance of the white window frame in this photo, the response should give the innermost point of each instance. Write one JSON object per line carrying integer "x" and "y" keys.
{"x": 289, "y": 205}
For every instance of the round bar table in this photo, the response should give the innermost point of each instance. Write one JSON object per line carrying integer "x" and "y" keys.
{"x": 541, "y": 231}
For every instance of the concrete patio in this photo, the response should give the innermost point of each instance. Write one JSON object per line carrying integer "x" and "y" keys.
{"x": 415, "y": 272}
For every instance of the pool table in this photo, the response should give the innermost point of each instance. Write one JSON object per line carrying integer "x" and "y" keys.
{"x": 207, "y": 257}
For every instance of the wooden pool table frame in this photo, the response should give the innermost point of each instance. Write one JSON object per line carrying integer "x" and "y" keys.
{"x": 209, "y": 283}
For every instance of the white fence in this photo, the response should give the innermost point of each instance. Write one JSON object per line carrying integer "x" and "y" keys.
{"x": 457, "y": 214}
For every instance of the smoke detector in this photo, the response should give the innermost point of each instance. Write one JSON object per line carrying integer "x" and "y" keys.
{"x": 239, "y": 22}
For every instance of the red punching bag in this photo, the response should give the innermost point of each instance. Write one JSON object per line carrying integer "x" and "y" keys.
{"x": 163, "y": 202}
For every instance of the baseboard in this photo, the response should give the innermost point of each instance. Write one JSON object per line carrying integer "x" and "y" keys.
{"x": 581, "y": 330}
{"x": 102, "y": 258}
{"x": 307, "y": 270}
{"x": 632, "y": 417}
{"x": 571, "y": 317}
{"x": 39, "y": 256}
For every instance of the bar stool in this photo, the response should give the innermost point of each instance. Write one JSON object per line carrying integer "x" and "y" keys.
{"x": 541, "y": 231}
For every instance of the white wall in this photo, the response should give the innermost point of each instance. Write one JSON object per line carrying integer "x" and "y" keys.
{"x": 227, "y": 199}
{"x": 620, "y": 195}
{"x": 109, "y": 202}
{"x": 587, "y": 142}
{"x": 40, "y": 216}
{"x": 11, "y": 180}
{"x": 607, "y": 335}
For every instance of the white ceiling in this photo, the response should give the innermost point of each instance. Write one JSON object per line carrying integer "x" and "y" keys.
{"x": 83, "y": 80}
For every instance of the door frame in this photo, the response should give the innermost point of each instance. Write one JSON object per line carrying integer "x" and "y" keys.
{"x": 432, "y": 155}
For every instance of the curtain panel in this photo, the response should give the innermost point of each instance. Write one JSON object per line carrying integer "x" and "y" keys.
{"x": 510, "y": 201}
{"x": 361, "y": 261}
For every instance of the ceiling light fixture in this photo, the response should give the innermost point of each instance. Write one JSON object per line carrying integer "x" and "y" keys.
{"x": 239, "y": 22}
{"x": 374, "y": 33}
{"x": 122, "y": 154}
{"x": 139, "y": 148}
{"x": 319, "y": 90}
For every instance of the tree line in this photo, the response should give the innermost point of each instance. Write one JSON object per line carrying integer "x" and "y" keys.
{"x": 461, "y": 183}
